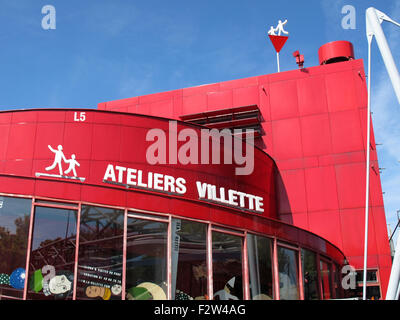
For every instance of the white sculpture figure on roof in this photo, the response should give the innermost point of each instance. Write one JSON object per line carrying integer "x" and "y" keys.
{"x": 72, "y": 163}
{"x": 272, "y": 31}
{"x": 59, "y": 156}
{"x": 279, "y": 28}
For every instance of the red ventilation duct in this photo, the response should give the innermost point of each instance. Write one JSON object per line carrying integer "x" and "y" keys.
{"x": 336, "y": 51}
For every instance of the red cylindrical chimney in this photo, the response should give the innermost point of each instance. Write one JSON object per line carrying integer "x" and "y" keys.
{"x": 336, "y": 51}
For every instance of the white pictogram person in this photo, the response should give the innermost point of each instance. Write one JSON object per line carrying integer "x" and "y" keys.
{"x": 72, "y": 163}
{"x": 271, "y": 31}
{"x": 279, "y": 28}
{"x": 59, "y": 156}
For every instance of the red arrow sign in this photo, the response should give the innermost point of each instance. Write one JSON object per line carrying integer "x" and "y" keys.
{"x": 278, "y": 42}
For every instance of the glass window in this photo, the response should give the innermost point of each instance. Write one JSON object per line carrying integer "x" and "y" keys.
{"x": 52, "y": 259}
{"x": 227, "y": 266}
{"x": 260, "y": 267}
{"x": 373, "y": 288}
{"x": 189, "y": 260}
{"x": 310, "y": 275}
{"x": 100, "y": 254}
{"x": 288, "y": 274}
{"x": 326, "y": 279}
{"x": 373, "y": 292}
{"x": 336, "y": 282}
{"x": 146, "y": 260}
{"x": 371, "y": 276}
{"x": 14, "y": 227}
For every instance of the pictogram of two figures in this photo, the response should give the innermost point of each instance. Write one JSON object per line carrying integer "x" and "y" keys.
{"x": 279, "y": 28}
{"x": 59, "y": 157}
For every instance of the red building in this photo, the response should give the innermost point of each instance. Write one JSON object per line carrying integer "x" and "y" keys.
{"x": 91, "y": 212}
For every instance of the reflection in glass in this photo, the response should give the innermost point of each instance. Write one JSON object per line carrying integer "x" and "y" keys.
{"x": 336, "y": 281}
{"x": 100, "y": 253}
{"x": 52, "y": 257}
{"x": 373, "y": 292}
{"x": 288, "y": 269}
{"x": 146, "y": 260}
{"x": 326, "y": 280}
{"x": 189, "y": 266}
{"x": 371, "y": 276}
{"x": 260, "y": 267}
{"x": 14, "y": 229}
{"x": 227, "y": 266}
{"x": 310, "y": 275}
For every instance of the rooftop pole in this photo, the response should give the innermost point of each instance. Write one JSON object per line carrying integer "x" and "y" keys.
{"x": 277, "y": 60}
{"x": 367, "y": 171}
{"x": 374, "y": 19}
{"x": 278, "y": 41}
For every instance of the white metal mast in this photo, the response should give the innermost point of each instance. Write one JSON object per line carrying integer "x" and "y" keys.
{"x": 374, "y": 18}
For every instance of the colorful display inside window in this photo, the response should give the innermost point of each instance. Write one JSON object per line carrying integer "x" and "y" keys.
{"x": 14, "y": 228}
{"x": 146, "y": 260}
{"x": 51, "y": 264}
{"x": 100, "y": 253}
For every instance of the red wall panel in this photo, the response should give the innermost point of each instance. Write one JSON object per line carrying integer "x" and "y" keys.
{"x": 286, "y": 136}
{"x": 219, "y": 100}
{"x": 245, "y": 96}
{"x": 194, "y": 103}
{"x": 311, "y": 96}
{"x": 316, "y": 135}
{"x": 351, "y": 189}
{"x": 4, "y": 132}
{"x": 283, "y": 97}
{"x": 294, "y": 180}
{"x": 21, "y": 141}
{"x": 327, "y": 224}
{"x": 346, "y": 131}
{"x": 321, "y": 189}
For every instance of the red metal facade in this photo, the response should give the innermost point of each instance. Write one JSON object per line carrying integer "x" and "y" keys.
{"x": 106, "y": 138}
{"x": 98, "y": 139}
{"x": 314, "y": 127}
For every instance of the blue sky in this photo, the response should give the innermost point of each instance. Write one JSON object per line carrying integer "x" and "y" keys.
{"x": 103, "y": 50}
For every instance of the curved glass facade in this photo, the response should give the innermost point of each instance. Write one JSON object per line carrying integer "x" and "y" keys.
{"x": 86, "y": 251}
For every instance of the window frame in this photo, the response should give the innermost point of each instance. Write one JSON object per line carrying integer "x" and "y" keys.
{"x": 56, "y": 205}
{"x": 272, "y": 241}
{"x": 233, "y": 232}
{"x": 297, "y": 250}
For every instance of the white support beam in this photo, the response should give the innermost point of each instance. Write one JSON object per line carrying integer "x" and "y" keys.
{"x": 374, "y": 19}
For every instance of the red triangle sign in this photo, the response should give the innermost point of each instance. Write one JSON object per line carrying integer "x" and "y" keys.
{"x": 278, "y": 41}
